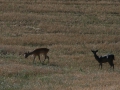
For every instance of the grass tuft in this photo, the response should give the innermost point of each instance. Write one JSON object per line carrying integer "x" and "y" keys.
{"x": 70, "y": 29}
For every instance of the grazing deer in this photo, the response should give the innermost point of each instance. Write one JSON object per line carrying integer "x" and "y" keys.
{"x": 37, "y": 52}
{"x": 103, "y": 59}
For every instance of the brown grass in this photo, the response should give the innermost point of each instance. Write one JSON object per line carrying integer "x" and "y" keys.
{"x": 70, "y": 29}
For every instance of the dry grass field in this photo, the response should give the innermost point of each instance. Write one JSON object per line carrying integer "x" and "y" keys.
{"x": 70, "y": 29}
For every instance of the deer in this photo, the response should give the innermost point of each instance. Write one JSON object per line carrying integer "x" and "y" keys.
{"x": 38, "y": 52}
{"x": 103, "y": 59}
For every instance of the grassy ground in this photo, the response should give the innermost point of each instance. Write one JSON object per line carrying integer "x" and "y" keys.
{"x": 70, "y": 29}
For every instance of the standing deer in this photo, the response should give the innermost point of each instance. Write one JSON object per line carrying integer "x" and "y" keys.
{"x": 103, "y": 59}
{"x": 37, "y": 52}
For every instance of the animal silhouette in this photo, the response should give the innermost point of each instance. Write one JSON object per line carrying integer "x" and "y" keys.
{"x": 103, "y": 59}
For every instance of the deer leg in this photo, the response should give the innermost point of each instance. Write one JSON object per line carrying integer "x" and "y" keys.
{"x": 111, "y": 64}
{"x": 100, "y": 65}
{"x": 44, "y": 59}
{"x": 34, "y": 59}
{"x": 48, "y": 58}
{"x": 39, "y": 58}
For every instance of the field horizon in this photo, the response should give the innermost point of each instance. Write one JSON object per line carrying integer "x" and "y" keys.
{"x": 70, "y": 29}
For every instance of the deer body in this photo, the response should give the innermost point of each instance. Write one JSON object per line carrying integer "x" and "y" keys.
{"x": 38, "y": 52}
{"x": 103, "y": 59}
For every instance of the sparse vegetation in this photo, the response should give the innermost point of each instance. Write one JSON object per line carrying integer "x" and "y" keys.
{"x": 70, "y": 29}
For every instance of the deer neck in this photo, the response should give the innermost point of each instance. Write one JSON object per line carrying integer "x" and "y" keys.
{"x": 30, "y": 53}
{"x": 96, "y": 57}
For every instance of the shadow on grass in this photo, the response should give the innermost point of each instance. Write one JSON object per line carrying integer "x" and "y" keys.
{"x": 50, "y": 64}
